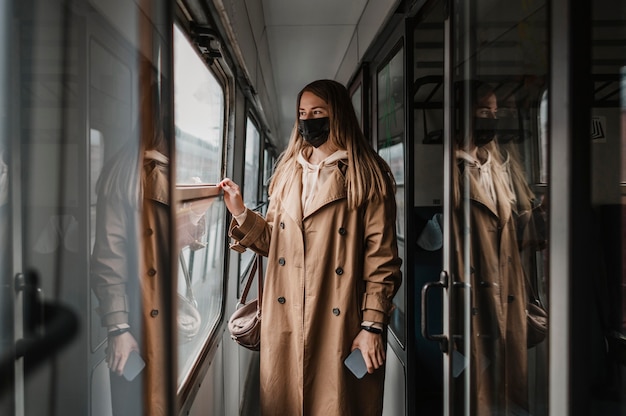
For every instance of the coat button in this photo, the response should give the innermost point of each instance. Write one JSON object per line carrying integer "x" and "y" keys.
{"x": 154, "y": 313}
{"x": 336, "y": 311}
{"x": 474, "y": 311}
{"x": 149, "y": 232}
{"x": 339, "y": 271}
{"x": 281, "y": 300}
{"x": 342, "y": 231}
{"x": 151, "y": 272}
{"x": 510, "y": 298}
{"x": 281, "y": 225}
{"x": 281, "y": 261}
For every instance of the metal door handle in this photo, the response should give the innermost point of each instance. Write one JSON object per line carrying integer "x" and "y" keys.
{"x": 443, "y": 284}
{"x": 41, "y": 339}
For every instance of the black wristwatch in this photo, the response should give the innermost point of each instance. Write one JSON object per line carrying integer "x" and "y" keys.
{"x": 118, "y": 331}
{"x": 372, "y": 329}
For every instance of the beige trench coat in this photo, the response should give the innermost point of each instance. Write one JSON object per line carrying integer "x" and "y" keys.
{"x": 498, "y": 354}
{"x": 328, "y": 269}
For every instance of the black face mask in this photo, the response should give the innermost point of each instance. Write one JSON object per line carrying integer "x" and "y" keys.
{"x": 509, "y": 130}
{"x": 484, "y": 130}
{"x": 315, "y": 131}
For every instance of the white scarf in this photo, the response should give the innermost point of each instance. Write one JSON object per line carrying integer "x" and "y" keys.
{"x": 313, "y": 176}
{"x": 485, "y": 173}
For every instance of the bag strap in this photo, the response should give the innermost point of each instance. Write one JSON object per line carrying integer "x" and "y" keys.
{"x": 256, "y": 268}
{"x": 533, "y": 295}
{"x": 189, "y": 292}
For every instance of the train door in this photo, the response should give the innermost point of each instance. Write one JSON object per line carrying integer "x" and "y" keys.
{"x": 427, "y": 160}
{"x": 532, "y": 215}
{"x": 496, "y": 218}
{"x": 480, "y": 184}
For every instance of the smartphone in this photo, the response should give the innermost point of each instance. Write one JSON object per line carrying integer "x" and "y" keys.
{"x": 133, "y": 366}
{"x": 356, "y": 363}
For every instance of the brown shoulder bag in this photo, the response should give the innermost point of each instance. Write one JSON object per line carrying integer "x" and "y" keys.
{"x": 245, "y": 323}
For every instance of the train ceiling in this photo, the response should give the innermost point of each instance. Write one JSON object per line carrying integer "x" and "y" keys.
{"x": 285, "y": 44}
{"x": 307, "y": 40}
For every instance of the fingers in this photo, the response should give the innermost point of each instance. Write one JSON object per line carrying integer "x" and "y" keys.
{"x": 232, "y": 196}
{"x": 116, "y": 359}
{"x": 374, "y": 359}
{"x": 118, "y": 350}
{"x": 229, "y": 186}
{"x": 372, "y": 348}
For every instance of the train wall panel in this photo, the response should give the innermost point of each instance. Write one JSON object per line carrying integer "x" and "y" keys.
{"x": 210, "y": 398}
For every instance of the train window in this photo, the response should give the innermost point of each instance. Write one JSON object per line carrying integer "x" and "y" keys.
{"x": 360, "y": 99}
{"x": 200, "y": 225}
{"x": 251, "y": 176}
{"x": 198, "y": 115}
{"x": 200, "y": 215}
{"x": 357, "y": 100}
{"x": 252, "y": 159}
{"x": 390, "y": 93}
{"x": 268, "y": 167}
{"x": 543, "y": 138}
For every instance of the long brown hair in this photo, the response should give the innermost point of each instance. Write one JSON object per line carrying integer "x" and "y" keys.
{"x": 368, "y": 175}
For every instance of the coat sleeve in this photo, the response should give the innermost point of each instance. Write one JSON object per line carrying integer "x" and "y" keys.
{"x": 381, "y": 270}
{"x": 255, "y": 232}
{"x": 111, "y": 261}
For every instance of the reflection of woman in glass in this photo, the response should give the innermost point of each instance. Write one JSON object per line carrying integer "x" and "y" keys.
{"x": 488, "y": 261}
{"x": 129, "y": 258}
{"x": 530, "y": 221}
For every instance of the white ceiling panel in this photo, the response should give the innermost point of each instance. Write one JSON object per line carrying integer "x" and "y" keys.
{"x": 307, "y": 12}
{"x": 301, "y": 55}
{"x": 308, "y": 40}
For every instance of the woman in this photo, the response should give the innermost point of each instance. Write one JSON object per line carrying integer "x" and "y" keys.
{"x": 333, "y": 265}
{"x": 488, "y": 261}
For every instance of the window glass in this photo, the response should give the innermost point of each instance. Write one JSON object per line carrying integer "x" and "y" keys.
{"x": 198, "y": 117}
{"x": 200, "y": 225}
{"x": 426, "y": 250}
{"x": 252, "y": 165}
{"x": 200, "y": 214}
{"x": 357, "y": 103}
{"x": 607, "y": 254}
{"x": 498, "y": 219}
{"x": 252, "y": 171}
{"x": 390, "y": 93}
{"x": 268, "y": 163}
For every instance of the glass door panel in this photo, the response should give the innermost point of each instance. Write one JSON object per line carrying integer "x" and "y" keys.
{"x": 608, "y": 200}
{"x": 427, "y": 95}
{"x": 497, "y": 254}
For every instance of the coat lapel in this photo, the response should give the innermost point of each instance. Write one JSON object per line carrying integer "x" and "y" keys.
{"x": 501, "y": 210}
{"x": 292, "y": 201}
{"x": 333, "y": 189}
